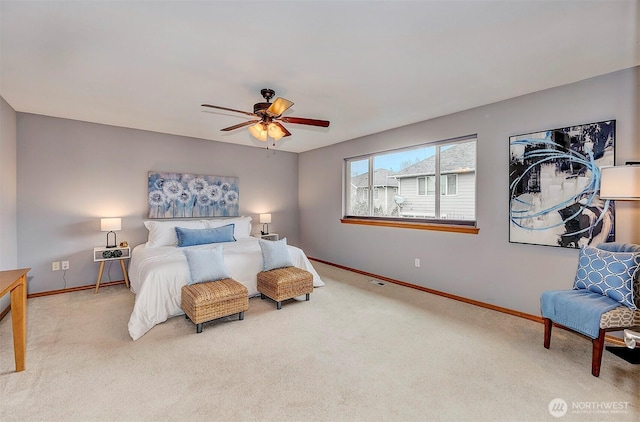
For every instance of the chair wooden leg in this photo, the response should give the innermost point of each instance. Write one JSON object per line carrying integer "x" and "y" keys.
{"x": 596, "y": 359}
{"x": 547, "y": 332}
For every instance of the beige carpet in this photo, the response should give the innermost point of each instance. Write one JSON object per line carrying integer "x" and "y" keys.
{"x": 356, "y": 352}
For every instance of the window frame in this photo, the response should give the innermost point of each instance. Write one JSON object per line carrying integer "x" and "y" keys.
{"x": 463, "y": 226}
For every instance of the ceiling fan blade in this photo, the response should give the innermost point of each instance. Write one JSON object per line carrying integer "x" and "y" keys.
{"x": 303, "y": 121}
{"x": 284, "y": 129}
{"x": 239, "y": 125}
{"x": 230, "y": 109}
{"x": 279, "y": 106}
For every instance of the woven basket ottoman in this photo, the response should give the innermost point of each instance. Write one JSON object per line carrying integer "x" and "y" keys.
{"x": 204, "y": 302}
{"x": 284, "y": 283}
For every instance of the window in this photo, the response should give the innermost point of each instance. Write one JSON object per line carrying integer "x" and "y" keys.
{"x": 422, "y": 182}
{"x": 449, "y": 184}
{"x": 430, "y": 183}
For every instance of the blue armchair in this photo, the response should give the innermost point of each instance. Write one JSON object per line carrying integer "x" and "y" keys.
{"x": 605, "y": 297}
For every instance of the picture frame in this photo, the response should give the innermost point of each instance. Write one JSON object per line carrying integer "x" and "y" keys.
{"x": 184, "y": 195}
{"x": 554, "y": 185}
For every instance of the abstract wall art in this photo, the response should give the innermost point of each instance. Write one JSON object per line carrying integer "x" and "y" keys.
{"x": 180, "y": 195}
{"x": 554, "y": 185}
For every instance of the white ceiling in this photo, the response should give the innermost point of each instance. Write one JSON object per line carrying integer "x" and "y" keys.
{"x": 366, "y": 66}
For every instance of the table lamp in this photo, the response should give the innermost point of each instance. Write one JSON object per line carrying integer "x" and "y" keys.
{"x": 265, "y": 219}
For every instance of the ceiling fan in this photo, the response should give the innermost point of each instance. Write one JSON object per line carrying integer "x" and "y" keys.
{"x": 268, "y": 117}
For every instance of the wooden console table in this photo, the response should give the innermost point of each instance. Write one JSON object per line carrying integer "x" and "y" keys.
{"x": 15, "y": 281}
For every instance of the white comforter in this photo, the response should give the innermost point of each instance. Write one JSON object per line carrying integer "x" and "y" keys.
{"x": 158, "y": 274}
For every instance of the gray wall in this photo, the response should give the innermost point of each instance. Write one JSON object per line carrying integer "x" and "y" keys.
{"x": 484, "y": 267}
{"x": 8, "y": 193}
{"x": 71, "y": 173}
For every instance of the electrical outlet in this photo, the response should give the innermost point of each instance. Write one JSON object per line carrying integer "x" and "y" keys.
{"x": 417, "y": 262}
{"x": 55, "y": 266}
{"x": 65, "y": 265}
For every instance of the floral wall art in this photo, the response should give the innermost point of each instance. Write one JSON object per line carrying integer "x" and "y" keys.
{"x": 554, "y": 186}
{"x": 180, "y": 195}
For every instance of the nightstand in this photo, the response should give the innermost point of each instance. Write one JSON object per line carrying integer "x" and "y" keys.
{"x": 270, "y": 236}
{"x": 103, "y": 254}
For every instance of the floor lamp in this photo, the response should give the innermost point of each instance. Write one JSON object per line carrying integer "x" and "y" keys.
{"x": 622, "y": 183}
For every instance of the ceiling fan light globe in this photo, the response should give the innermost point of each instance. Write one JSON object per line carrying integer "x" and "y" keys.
{"x": 275, "y": 132}
{"x": 258, "y": 131}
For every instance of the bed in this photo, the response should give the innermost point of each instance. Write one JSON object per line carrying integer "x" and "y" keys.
{"x": 159, "y": 268}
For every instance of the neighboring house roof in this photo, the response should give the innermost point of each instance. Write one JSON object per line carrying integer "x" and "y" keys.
{"x": 459, "y": 158}
{"x": 380, "y": 178}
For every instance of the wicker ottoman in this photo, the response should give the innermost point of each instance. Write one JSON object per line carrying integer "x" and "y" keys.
{"x": 284, "y": 283}
{"x": 204, "y": 302}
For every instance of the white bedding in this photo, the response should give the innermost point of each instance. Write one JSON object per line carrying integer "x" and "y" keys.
{"x": 158, "y": 274}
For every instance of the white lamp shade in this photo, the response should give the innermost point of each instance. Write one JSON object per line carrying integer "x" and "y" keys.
{"x": 620, "y": 182}
{"x": 110, "y": 224}
{"x": 265, "y": 218}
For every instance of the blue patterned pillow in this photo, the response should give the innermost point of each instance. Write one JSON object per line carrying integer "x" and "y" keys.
{"x": 206, "y": 265}
{"x": 275, "y": 254}
{"x": 608, "y": 273}
{"x": 191, "y": 237}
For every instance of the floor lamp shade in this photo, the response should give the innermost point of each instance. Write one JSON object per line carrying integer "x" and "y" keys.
{"x": 620, "y": 183}
{"x": 111, "y": 225}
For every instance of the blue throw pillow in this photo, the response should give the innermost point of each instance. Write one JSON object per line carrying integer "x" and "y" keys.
{"x": 190, "y": 237}
{"x": 275, "y": 254}
{"x": 608, "y": 273}
{"x": 206, "y": 264}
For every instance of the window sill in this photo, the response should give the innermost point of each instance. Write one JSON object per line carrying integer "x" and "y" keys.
{"x": 416, "y": 226}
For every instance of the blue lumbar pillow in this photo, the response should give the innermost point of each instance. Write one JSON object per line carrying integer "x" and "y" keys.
{"x": 206, "y": 264}
{"x": 190, "y": 237}
{"x": 275, "y": 254}
{"x": 609, "y": 273}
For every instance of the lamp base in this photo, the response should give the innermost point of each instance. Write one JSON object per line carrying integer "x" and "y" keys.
{"x": 114, "y": 240}
{"x": 630, "y": 355}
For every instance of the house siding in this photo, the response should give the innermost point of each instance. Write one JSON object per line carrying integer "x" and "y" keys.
{"x": 463, "y": 205}
{"x": 460, "y": 206}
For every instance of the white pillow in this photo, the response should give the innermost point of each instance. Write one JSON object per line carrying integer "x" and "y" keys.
{"x": 163, "y": 233}
{"x": 206, "y": 265}
{"x": 275, "y": 254}
{"x": 242, "y": 225}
